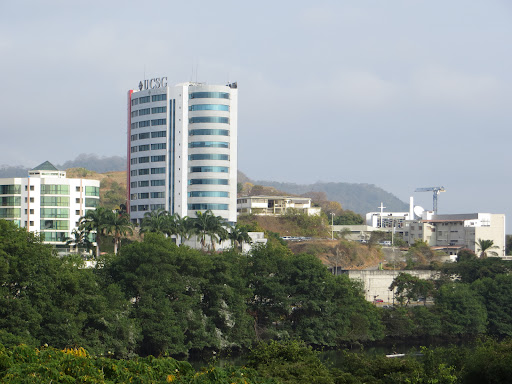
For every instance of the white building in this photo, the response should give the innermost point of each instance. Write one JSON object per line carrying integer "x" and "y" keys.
{"x": 457, "y": 231}
{"x": 47, "y": 202}
{"x": 275, "y": 205}
{"x": 182, "y": 149}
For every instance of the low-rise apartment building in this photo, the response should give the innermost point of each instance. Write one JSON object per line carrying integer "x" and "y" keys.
{"x": 275, "y": 205}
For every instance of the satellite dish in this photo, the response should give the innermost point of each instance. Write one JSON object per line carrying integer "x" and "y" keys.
{"x": 418, "y": 210}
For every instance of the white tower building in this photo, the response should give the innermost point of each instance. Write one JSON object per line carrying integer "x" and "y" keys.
{"x": 182, "y": 149}
{"x": 47, "y": 202}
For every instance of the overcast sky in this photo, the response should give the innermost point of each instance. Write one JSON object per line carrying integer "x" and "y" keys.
{"x": 401, "y": 94}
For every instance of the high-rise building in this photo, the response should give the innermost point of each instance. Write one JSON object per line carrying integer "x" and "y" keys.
{"x": 182, "y": 149}
{"x": 48, "y": 202}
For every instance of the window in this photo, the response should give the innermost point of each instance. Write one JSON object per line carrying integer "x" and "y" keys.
{"x": 31, "y": 199}
{"x": 154, "y": 207}
{"x": 133, "y": 208}
{"x": 54, "y": 201}
{"x": 133, "y": 137}
{"x": 133, "y": 161}
{"x": 157, "y": 171}
{"x": 10, "y": 212}
{"x": 92, "y": 191}
{"x": 157, "y": 183}
{"x": 143, "y": 160}
{"x": 52, "y": 189}
{"x": 133, "y": 196}
{"x": 145, "y": 111}
{"x": 203, "y": 206}
{"x": 159, "y": 122}
{"x": 31, "y": 187}
{"x": 157, "y": 195}
{"x": 133, "y": 149}
{"x": 208, "y": 144}
{"x": 157, "y": 158}
{"x": 144, "y": 171}
{"x": 77, "y": 189}
{"x": 54, "y": 224}
{"x": 208, "y": 156}
{"x": 209, "y": 169}
{"x": 133, "y": 172}
{"x": 208, "y": 194}
{"x": 219, "y": 132}
{"x": 10, "y": 201}
{"x": 60, "y": 213}
{"x": 135, "y": 125}
{"x": 144, "y": 147}
{"x": 145, "y": 99}
{"x": 133, "y": 184}
{"x": 77, "y": 212}
{"x": 144, "y": 195}
{"x": 208, "y": 181}
{"x": 209, "y": 107}
{"x": 144, "y": 135}
{"x": 158, "y": 134}
{"x": 160, "y": 97}
{"x": 135, "y": 113}
{"x": 208, "y": 95}
{"x": 159, "y": 110}
{"x": 209, "y": 119}
{"x": 143, "y": 183}
{"x": 143, "y": 124}
{"x": 54, "y": 236}
{"x": 78, "y": 200}
{"x": 142, "y": 207}
{"x": 31, "y": 211}
{"x": 135, "y": 101}
{"x": 158, "y": 146}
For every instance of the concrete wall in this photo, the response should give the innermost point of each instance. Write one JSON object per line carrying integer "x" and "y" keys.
{"x": 376, "y": 283}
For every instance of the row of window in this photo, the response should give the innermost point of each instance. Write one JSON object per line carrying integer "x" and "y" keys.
{"x": 147, "y": 135}
{"x": 209, "y": 119}
{"x": 147, "y": 111}
{"x": 145, "y": 183}
{"x": 208, "y": 181}
{"x": 208, "y": 194}
{"x": 147, "y": 195}
{"x": 48, "y": 189}
{"x": 146, "y": 99}
{"x": 147, "y": 123}
{"x": 208, "y": 144}
{"x": 208, "y": 156}
{"x": 208, "y": 95}
{"x": 154, "y": 207}
{"x": 145, "y": 159}
{"x": 205, "y": 206}
{"x": 146, "y": 147}
{"x": 207, "y": 132}
{"x": 147, "y": 171}
{"x": 209, "y": 169}
{"x": 209, "y": 107}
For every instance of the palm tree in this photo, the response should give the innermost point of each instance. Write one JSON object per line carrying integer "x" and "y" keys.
{"x": 117, "y": 225}
{"x": 94, "y": 221}
{"x": 484, "y": 248}
{"x": 238, "y": 235}
{"x": 207, "y": 224}
{"x": 155, "y": 221}
{"x": 182, "y": 227}
{"x": 79, "y": 238}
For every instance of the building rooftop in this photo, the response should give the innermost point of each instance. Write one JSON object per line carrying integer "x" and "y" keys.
{"x": 46, "y": 166}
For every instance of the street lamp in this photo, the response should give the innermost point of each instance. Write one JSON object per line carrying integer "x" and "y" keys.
{"x": 332, "y": 225}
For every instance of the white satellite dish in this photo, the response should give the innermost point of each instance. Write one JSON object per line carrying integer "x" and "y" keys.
{"x": 418, "y": 210}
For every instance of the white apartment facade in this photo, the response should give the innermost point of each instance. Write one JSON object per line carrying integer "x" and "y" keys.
{"x": 458, "y": 231}
{"x": 275, "y": 205}
{"x": 47, "y": 202}
{"x": 182, "y": 149}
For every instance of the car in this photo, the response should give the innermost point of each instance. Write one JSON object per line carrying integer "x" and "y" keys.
{"x": 378, "y": 301}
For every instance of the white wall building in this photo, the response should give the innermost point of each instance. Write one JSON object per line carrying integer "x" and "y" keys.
{"x": 182, "y": 149}
{"x": 458, "y": 230}
{"x": 47, "y": 202}
{"x": 275, "y": 205}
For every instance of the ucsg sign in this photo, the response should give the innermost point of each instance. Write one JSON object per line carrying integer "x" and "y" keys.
{"x": 157, "y": 82}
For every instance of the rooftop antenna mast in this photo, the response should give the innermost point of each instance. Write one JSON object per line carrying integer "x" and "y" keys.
{"x": 436, "y": 190}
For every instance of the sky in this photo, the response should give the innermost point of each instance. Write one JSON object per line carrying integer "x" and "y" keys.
{"x": 400, "y": 94}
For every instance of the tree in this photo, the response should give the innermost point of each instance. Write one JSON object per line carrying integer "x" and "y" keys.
{"x": 93, "y": 222}
{"x": 408, "y": 287}
{"x": 156, "y": 221}
{"x": 79, "y": 238}
{"x": 207, "y": 224}
{"x": 117, "y": 225}
{"x": 484, "y": 248}
{"x": 238, "y": 235}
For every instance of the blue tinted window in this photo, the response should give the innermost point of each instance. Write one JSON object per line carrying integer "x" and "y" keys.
{"x": 161, "y": 97}
{"x": 144, "y": 159}
{"x": 158, "y": 122}
{"x": 208, "y": 181}
{"x": 208, "y": 194}
{"x": 207, "y": 132}
{"x": 144, "y": 135}
{"x": 157, "y": 183}
{"x": 208, "y": 144}
{"x": 157, "y": 158}
{"x": 208, "y": 156}
{"x": 208, "y": 95}
{"x": 158, "y": 134}
{"x": 157, "y": 195}
{"x": 159, "y": 110}
{"x": 143, "y": 112}
{"x": 158, "y": 146}
{"x": 156, "y": 171}
{"x": 144, "y": 99}
{"x": 209, "y": 107}
{"x": 209, "y": 169}
{"x": 144, "y": 147}
{"x": 144, "y": 171}
{"x": 144, "y": 123}
{"x": 204, "y": 206}
{"x": 209, "y": 119}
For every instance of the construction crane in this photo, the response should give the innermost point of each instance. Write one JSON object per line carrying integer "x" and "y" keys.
{"x": 436, "y": 190}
